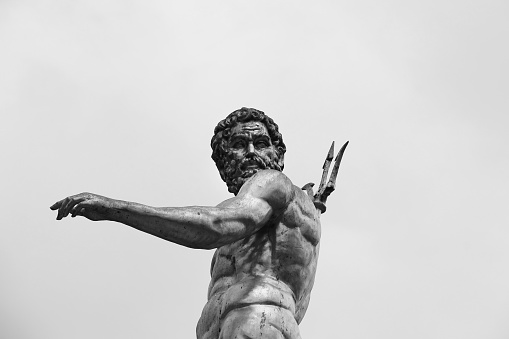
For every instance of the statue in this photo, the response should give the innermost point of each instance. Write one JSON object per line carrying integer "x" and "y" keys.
{"x": 267, "y": 236}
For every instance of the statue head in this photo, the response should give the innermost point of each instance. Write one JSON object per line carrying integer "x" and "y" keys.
{"x": 245, "y": 142}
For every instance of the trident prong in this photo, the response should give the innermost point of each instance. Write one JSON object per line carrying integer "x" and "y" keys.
{"x": 325, "y": 167}
{"x": 324, "y": 190}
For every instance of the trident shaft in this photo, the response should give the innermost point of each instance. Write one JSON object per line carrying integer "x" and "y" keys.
{"x": 326, "y": 187}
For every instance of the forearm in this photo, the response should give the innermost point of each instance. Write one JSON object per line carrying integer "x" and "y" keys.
{"x": 195, "y": 227}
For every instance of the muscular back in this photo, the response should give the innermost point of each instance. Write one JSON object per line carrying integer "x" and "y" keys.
{"x": 275, "y": 265}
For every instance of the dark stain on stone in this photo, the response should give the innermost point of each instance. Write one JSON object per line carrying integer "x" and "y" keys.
{"x": 263, "y": 320}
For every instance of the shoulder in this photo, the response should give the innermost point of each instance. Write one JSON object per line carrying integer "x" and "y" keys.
{"x": 270, "y": 185}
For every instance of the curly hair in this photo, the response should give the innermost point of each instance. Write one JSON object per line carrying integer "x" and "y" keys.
{"x": 222, "y": 132}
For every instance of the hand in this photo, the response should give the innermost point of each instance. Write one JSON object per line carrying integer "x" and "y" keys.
{"x": 89, "y": 205}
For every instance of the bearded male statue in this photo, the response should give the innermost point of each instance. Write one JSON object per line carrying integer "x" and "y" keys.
{"x": 266, "y": 237}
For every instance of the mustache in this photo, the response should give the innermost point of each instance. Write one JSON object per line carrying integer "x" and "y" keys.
{"x": 238, "y": 168}
{"x": 253, "y": 160}
{"x": 235, "y": 171}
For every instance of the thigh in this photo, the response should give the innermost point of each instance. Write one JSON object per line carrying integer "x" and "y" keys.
{"x": 259, "y": 321}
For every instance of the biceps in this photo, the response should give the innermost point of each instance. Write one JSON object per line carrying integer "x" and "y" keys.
{"x": 240, "y": 219}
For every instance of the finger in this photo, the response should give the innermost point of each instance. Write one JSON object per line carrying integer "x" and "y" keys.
{"x": 56, "y": 205}
{"x": 82, "y": 211}
{"x": 69, "y": 206}
{"x": 77, "y": 210}
{"x": 65, "y": 207}
{"x": 309, "y": 189}
{"x": 62, "y": 207}
{"x": 74, "y": 211}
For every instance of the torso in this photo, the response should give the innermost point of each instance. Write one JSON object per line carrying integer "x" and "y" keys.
{"x": 274, "y": 266}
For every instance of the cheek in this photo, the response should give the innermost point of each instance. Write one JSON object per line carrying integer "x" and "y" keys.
{"x": 235, "y": 154}
{"x": 269, "y": 154}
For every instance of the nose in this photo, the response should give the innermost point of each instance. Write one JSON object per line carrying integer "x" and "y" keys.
{"x": 250, "y": 148}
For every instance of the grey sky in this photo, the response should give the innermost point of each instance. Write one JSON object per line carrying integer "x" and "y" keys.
{"x": 120, "y": 98}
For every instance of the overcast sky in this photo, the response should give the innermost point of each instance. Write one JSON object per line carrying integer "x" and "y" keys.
{"x": 120, "y": 98}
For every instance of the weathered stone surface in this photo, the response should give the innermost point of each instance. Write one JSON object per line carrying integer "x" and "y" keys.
{"x": 266, "y": 237}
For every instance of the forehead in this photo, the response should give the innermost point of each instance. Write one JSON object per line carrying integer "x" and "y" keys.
{"x": 250, "y": 127}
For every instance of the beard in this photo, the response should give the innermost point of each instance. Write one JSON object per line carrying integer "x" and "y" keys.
{"x": 237, "y": 172}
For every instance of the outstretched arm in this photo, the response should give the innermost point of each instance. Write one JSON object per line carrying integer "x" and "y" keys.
{"x": 265, "y": 194}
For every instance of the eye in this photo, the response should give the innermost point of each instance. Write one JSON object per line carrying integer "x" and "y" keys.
{"x": 261, "y": 144}
{"x": 239, "y": 144}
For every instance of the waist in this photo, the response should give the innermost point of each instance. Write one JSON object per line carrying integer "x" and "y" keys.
{"x": 252, "y": 290}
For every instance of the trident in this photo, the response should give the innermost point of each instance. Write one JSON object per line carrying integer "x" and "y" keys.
{"x": 326, "y": 187}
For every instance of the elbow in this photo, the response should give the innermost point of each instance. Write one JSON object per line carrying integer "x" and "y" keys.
{"x": 210, "y": 246}
{"x": 201, "y": 246}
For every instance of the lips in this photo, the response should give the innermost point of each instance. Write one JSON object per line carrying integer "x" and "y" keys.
{"x": 251, "y": 164}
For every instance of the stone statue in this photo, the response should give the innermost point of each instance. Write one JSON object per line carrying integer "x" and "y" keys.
{"x": 266, "y": 237}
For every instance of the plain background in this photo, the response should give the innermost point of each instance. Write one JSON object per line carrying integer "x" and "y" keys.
{"x": 120, "y": 98}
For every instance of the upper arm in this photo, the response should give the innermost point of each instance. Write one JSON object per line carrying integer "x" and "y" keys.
{"x": 265, "y": 195}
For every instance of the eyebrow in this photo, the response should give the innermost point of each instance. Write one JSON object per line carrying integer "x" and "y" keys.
{"x": 251, "y": 128}
{"x": 248, "y": 135}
